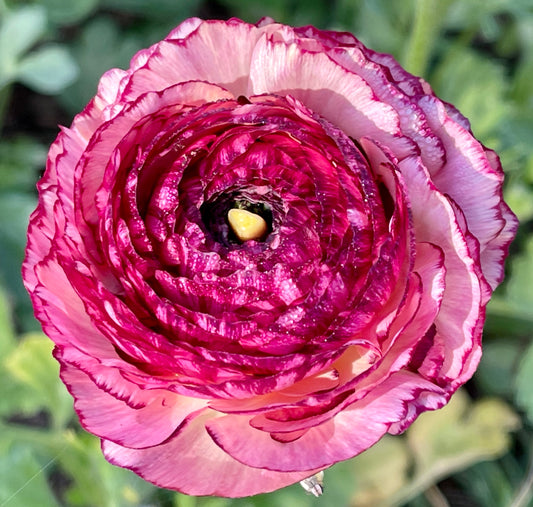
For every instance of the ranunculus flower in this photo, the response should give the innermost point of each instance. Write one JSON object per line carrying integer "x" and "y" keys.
{"x": 216, "y": 360}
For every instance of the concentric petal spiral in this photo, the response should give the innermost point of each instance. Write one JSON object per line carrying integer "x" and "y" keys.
{"x": 214, "y": 363}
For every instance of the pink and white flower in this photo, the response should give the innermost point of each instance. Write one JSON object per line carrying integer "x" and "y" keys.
{"x": 216, "y": 366}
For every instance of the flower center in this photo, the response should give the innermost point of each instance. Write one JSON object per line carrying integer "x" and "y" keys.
{"x": 246, "y": 225}
{"x": 231, "y": 219}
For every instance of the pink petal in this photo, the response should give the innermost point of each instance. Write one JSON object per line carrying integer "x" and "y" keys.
{"x": 153, "y": 420}
{"x": 413, "y": 122}
{"x": 63, "y": 314}
{"x": 475, "y": 185}
{"x": 190, "y": 462}
{"x": 328, "y": 89}
{"x": 435, "y": 222}
{"x": 184, "y": 29}
{"x": 215, "y": 51}
{"x": 352, "y": 430}
{"x": 93, "y": 165}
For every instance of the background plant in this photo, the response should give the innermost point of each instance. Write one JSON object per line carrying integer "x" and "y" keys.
{"x": 477, "y": 54}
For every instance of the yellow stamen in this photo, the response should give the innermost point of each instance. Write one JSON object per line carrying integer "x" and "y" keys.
{"x": 246, "y": 225}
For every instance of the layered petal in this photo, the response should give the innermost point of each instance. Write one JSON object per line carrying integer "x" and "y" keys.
{"x": 198, "y": 469}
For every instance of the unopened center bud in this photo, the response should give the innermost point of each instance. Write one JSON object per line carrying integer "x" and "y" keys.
{"x": 247, "y": 225}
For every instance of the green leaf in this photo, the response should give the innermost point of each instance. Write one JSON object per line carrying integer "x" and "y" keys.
{"x": 65, "y": 12}
{"x": 160, "y": 11}
{"x": 520, "y": 198}
{"x": 93, "y": 54}
{"x": 19, "y": 30}
{"x": 23, "y": 479}
{"x": 427, "y": 23}
{"x": 9, "y": 395}
{"x": 380, "y": 472}
{"x": 32, "y": 364}
{"x": 47, "y": 70}
{"x": 518, "y": 289}
{"x": 488, "y": 483}
{"x": 454, "y": 438}
{"x": 320, "y": 14}
{"x": 524, "y": 383}
{"x": 16, "y": 398}
{"x": 7, "y": 333}
{"x": 497, "y": 366}
{"x": 461, "y": 434}
{"x": 15, "y": 208}
{"x": 188, "y": 501}
{"x": 20, "y": 158}
{"x": 253, "y": 10}
{"x": 456, "y": 80}
{"x": 484, "y": 15}
{"x": 95, "y": 481}
{"x": 394, "y": 20}
{"x": 506, "y": 319}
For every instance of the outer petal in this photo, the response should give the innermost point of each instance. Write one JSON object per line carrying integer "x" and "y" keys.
{"x": 56, "y": 190}
{"x": 328, "y": 89}
{"x": 157, "y": 415}
{"x": 63, "y": 314}
{"x": 190, "y": 462}
{"x": 435, "y": 222}
{"x": 473, "y": 178}
{"x": 215, "y": 51}
{"x": 333, "y": 441}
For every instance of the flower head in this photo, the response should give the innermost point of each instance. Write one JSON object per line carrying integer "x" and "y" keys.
{"x": 258, "y": 250}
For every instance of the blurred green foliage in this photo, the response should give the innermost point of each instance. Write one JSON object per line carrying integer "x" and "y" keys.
{"x": 477, "y": 54}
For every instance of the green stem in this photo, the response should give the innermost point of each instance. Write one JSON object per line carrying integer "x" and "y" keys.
{"x": 428, "y": 17}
